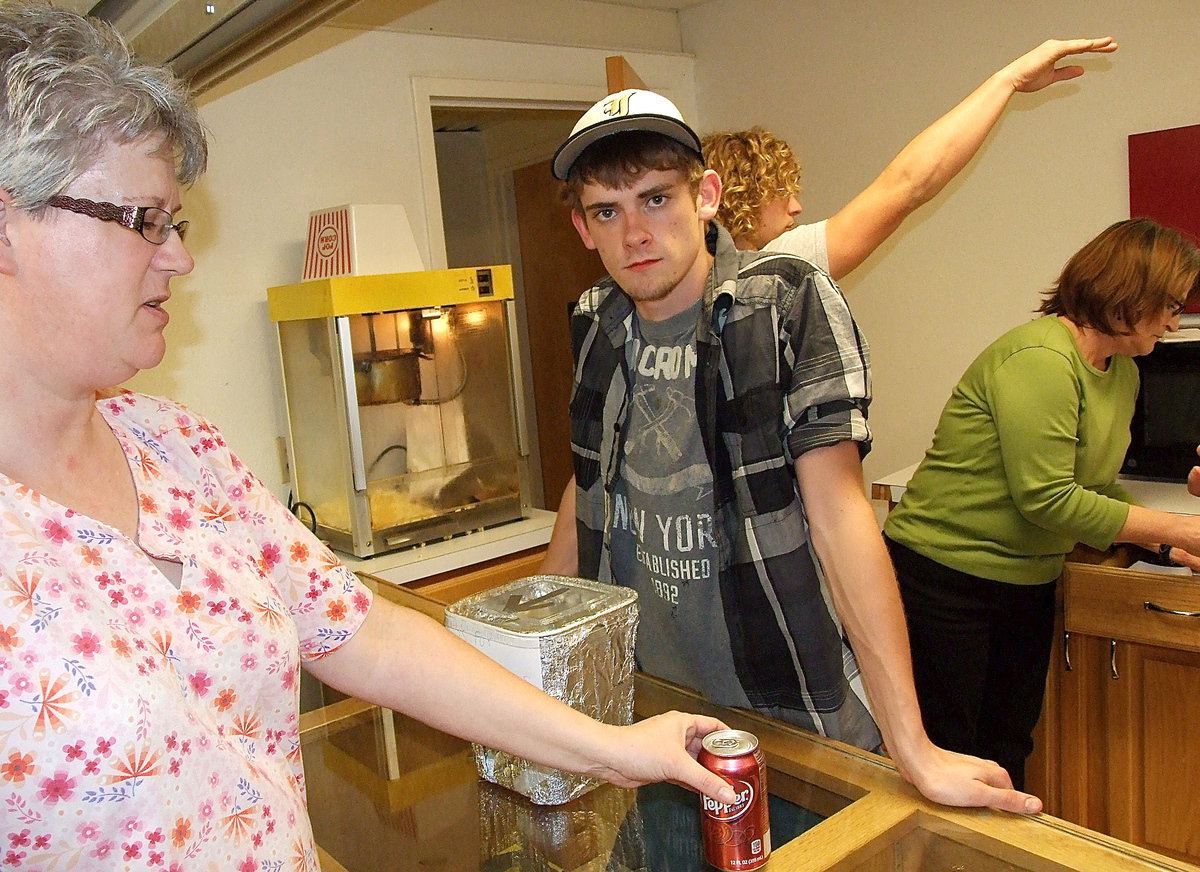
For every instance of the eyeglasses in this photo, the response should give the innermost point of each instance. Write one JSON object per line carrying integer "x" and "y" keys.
{"x": 152, "y": 223}
{"x": 1178, "y": 307}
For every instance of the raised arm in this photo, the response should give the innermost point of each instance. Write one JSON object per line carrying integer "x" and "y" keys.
{"x": 407, "y": 662}
{"x": 846, "y": 536}
{"x": 938, "y": 153}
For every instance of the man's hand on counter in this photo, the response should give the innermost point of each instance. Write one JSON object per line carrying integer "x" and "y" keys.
{"x": 962, "y": 780}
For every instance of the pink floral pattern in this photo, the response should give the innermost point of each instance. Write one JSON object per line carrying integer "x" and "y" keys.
{"x": 145, "y": 726}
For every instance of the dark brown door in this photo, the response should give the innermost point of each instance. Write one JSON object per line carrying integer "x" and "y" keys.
{"x": 556, "y": 269}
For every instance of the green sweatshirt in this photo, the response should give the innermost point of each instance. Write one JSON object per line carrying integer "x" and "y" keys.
{"x": 1024, "y": 461}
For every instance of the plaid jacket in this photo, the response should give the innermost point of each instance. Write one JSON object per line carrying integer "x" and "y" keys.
{"x": 782, "y": 369}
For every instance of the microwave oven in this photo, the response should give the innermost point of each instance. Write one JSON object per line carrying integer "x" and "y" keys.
{"x": 1166, "y": 419}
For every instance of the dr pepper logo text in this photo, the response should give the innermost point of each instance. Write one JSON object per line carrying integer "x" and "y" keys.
{"x": 722, "y": 812}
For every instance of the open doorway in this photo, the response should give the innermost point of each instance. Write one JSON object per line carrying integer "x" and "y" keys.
{"x": 500, "y": 204}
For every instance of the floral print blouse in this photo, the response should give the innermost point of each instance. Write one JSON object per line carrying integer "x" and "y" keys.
{"x": 145, "y": 725}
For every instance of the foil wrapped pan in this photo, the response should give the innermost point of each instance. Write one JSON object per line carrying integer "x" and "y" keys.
{"x": 571, "y": 637}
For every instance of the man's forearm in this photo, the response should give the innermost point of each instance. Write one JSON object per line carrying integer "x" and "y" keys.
{"x": 845, "y": 534}
{"x": 865, "y": 595}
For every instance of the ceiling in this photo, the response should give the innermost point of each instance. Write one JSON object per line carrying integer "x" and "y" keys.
{"x": 208, "y": 40}
{"x": 200, "y": 37}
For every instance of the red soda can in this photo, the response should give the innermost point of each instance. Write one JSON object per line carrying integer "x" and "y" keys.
{"x": 736, "y": 837}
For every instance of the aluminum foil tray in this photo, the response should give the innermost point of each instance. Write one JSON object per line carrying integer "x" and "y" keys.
{"x": 571, "y": 637}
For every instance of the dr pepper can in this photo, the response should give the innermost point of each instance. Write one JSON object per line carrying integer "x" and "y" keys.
{"x": 736, "y": 837}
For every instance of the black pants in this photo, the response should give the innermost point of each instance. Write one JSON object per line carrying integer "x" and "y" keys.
{"x": 980, "y": 651}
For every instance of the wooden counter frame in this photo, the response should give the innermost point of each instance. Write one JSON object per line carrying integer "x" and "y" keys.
{"x": 884, "y": 809}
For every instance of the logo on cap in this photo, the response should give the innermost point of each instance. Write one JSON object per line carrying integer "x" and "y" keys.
{"x": 618, "y": 106}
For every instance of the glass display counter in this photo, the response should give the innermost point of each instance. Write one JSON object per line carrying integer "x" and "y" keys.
{"x": 387, "y": 793}
{"x": 437, "y": 815}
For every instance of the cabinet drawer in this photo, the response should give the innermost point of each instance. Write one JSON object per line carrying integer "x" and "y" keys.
{"x": 1111, "y": 602}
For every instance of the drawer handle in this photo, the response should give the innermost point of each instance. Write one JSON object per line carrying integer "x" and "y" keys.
{"x": 1112, "y": 659}
{"x": 1155, "y": 607}
{"x": 1067, "y": 651}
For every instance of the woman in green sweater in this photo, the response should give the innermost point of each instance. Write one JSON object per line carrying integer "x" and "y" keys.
{"x": 1023, "y": 466}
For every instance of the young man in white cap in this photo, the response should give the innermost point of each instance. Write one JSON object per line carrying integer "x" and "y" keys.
{"x": 717, "y": 424}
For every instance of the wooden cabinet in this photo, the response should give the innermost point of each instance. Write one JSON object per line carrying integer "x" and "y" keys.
{"x": 1069, "y": 762}
{"x": 1153, "y": 710}
{"x": 1119, "y": 742}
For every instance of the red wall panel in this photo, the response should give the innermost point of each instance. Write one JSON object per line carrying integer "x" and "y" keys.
{"x": 1164, "y": 179}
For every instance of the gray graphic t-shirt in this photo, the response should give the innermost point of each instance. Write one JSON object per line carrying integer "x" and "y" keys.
{"x": 662, "y": 539}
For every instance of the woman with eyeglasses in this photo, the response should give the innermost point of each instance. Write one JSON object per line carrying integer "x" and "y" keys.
{"x": 1023, "y": 467}
{"x": 156, "y": 601}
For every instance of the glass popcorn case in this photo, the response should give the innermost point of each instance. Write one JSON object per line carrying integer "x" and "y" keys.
{"x": 402, "y": 405}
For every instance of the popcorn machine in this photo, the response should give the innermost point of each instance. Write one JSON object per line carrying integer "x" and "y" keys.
{"x": 402, "y": 404}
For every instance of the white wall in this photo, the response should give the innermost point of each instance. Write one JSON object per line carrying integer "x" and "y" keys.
{"x": 848, "y": 82}
{"x": 333, "y": 122}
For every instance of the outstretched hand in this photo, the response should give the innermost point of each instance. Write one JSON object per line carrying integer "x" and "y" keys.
{"x": 962, "y": 780}
{"x": 1194, "y": 479}
{"x": 664, "y": 748}
{"x": 1035, "y": 70}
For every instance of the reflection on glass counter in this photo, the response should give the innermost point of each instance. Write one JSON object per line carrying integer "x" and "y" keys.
{"x": 438, "y": 815}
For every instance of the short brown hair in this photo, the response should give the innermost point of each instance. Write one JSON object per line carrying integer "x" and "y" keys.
{"x": 619, "y": 160}
{"x": 1123, "y": 275}
{"x": 755, "y": 167}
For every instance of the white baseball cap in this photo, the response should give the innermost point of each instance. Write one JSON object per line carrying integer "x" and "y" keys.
{"x": 631, "y": 109}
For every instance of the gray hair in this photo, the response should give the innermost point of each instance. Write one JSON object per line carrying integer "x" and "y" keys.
{"x": 69, "y": 87}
